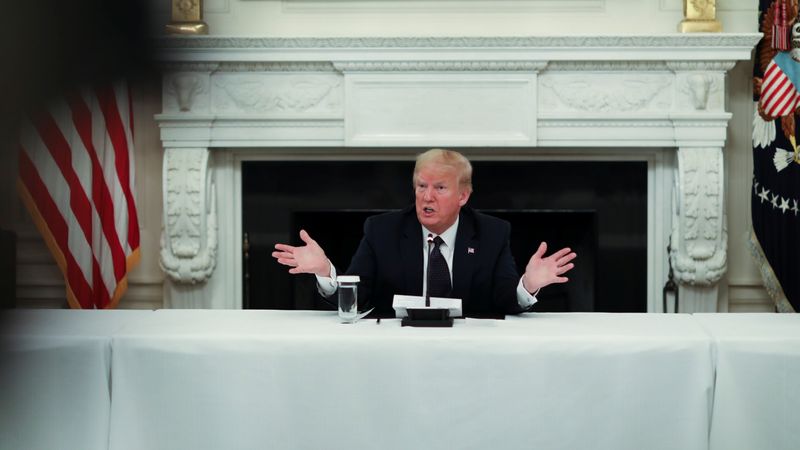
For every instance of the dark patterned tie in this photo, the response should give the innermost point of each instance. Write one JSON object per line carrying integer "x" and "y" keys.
{"x": 439, "y": 273}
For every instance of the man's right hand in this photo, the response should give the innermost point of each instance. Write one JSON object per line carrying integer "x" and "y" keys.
{"x": 309, "y": 258}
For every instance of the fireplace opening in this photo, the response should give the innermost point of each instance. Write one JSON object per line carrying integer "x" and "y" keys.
{"x": 598, "y": 208}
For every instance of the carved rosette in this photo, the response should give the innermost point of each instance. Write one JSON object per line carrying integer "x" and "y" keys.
{"x": 699, "y": 236}
{"x": 189, "y": 238}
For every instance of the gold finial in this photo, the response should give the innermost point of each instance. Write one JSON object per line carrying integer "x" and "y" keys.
{"x": 187, "y": 18}
{"x": 699, "y": 16}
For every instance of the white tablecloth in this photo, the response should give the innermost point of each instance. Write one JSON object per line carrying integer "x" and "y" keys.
{"x": 55, "y": 377}
{"x": 757, "y": 395}
{"x": 300, "y": 380}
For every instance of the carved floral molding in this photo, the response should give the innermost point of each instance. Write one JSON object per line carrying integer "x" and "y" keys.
{"x": 599, "y": 94}
{"x": 189, "y": 239}
{"x": 699, "y": 234}
{"x": 654, "y": 42}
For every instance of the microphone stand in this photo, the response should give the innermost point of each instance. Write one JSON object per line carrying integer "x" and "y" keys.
{"x": 427, "y": 316}
{"x": 428, "y": 272}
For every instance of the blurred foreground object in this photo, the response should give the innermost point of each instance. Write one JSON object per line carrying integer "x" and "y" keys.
{"x": 50, "y": 47}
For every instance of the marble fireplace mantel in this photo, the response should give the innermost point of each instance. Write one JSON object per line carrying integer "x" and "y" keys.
{"x": 225, "y": 97}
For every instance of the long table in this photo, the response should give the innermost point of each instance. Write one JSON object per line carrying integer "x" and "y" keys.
{"x": 55, "y": 377}
{"x": 757, "y": 394}
{"x": 301, "y": 380}
{"x": 203, "y": 379}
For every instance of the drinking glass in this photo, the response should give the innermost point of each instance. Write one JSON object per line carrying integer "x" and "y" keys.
{"x": 348, "y": 298}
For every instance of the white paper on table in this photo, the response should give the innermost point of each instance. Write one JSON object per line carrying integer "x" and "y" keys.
{"x": 401, "y": 303}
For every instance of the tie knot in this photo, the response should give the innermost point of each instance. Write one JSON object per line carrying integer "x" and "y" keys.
{"x": 438, "y": 241}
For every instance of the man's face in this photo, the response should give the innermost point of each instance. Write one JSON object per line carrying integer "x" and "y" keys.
{"x": 439, "y": 197}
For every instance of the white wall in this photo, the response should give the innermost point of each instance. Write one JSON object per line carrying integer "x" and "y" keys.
{"x": 741, "y": 289}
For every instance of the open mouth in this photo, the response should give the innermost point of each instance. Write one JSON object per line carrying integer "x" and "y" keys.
{"x": 428, "y": 210}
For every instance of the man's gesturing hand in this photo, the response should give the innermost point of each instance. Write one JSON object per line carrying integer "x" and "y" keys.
{"x": 542, "y": 271}
{"x": 309, "y": 258}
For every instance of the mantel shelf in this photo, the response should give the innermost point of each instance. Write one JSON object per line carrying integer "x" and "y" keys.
{"x": 665, "y": 47}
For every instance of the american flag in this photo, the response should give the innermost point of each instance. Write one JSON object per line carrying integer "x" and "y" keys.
{"x": 76, "y": 177}
{"x": 775, "y": 217}
{"x": 779, "y": 96}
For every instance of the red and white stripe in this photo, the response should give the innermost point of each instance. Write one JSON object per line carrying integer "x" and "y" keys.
{"x": 77, "y": 178}
{"x": 778, "y": 95}
{"x": 781, "y": 37}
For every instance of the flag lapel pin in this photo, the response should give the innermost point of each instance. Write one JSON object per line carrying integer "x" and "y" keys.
{"x": 470, "y": 250}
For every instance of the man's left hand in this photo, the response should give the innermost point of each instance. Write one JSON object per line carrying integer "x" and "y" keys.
{"x": 542, "y": 271}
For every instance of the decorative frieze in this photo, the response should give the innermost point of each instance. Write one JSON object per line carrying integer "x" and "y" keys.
{"x": 605, "y": 93}
{"x": 201, "y": 66}
{"x": 276, "y": 66}
{"x": 545, "y": 122}
{"x": 651, "y": 42}
{"x": 607, "y": 66}
{"x": 440, "y": 66}
{"x": 277, "y": 93}
{"x": 712, "y": 66}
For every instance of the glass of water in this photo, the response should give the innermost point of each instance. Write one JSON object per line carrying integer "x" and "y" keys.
{"x": 348, "y": 297}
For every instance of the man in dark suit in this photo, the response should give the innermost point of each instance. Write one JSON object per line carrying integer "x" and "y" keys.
{"x": 469, "y": 249}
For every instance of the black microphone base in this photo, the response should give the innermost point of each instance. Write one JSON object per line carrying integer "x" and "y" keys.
{"x": 427, "y": 317}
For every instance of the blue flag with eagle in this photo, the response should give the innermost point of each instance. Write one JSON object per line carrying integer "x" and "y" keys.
{"x": 775, "y": 237}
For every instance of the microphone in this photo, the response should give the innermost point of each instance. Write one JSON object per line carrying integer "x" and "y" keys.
{"x": 410, "y": 309}
{"x": 428, "y": 272}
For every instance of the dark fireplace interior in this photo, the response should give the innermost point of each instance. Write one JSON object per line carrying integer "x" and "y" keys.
{"x": 598, "y": 208}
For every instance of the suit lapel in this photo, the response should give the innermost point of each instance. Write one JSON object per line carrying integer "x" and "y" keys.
{"x": 411, "y": 254}
{"x": 464, "y": 255}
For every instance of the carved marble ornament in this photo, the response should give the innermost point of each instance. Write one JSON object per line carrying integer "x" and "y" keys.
{"x": 184, "y": 89}
{"x": 189, "y": 238}
{"x": 605, "y": 93}
{"x": 699, "y": 235}
{"x": 277, "y": 93}
{"x": 699, "y": 87}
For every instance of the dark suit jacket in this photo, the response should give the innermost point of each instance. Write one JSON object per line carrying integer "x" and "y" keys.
{"x": 389, "y": 261}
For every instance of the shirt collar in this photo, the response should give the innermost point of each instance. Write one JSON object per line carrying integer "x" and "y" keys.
{"x": 449, "y": 235}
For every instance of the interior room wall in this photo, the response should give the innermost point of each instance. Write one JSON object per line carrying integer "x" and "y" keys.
{"x": 39, "y": 282}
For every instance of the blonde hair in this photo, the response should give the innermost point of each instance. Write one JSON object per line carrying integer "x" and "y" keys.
{"x": 449, "y": 158}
